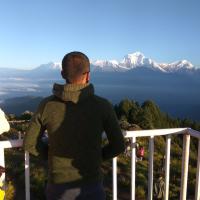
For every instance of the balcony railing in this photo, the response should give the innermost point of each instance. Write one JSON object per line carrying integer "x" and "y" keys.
{"x": 151, "y": 134}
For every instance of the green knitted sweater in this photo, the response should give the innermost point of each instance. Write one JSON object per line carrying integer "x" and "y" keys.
{"x": 75, "y": 119}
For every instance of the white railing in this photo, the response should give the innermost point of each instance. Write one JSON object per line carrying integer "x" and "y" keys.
{"x": 187, "y": 132}
{"x": 15, "y": 144}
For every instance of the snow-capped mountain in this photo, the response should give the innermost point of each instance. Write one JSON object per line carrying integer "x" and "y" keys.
{"x": 101, "y": 65}
{"x": 48, "y": 66}
{"x": 176, "y": 66}
{"x": 129, "y": 62}
{"x": 137, "y": 59}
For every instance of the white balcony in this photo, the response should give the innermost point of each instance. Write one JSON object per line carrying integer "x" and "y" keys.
{"x": 151, "y": 134}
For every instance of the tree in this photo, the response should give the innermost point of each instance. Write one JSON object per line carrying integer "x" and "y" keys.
{"x": 128, "y": 109}
{"x": 157, "y": 118}
{"x": 26, "y": 115}
{"x": 133, "y": 113}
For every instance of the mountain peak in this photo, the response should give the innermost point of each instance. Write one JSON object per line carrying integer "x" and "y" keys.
{"x": 185, "y": 64}
{"x": 49, "y": 66}
{"x": 56, "y": 65}
{"x": 134, "y": 59}
{"x": 136, "y": 54}
{"x": 178, "y": 66}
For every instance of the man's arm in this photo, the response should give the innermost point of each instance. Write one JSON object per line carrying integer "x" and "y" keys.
{"x": 32, "y": 139}
{"x": 113, "y": 131}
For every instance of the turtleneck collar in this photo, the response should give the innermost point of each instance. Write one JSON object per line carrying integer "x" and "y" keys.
{"x": 73, "y": 92}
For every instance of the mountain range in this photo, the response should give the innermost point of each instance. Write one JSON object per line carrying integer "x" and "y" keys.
{"x": 137, "y": 59}
{"x": 173, "y": 86}
{"x": 129, "y": 62}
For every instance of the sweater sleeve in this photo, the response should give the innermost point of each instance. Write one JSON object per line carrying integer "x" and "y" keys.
{"x": 32, "y": 140}
{"x": 113, "y": 131}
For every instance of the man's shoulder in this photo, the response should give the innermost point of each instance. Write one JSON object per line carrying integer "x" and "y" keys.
{"x": 46, "y": 100}
{"x": 101, "y": 101}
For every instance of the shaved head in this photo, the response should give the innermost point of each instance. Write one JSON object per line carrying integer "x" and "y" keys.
{"x": 74, "y": 66}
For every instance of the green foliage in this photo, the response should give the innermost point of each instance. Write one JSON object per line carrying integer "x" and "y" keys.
{"x": 149, "y": 116}
{"x": 128, "y": 110}
{"x": 10, "y": 191}
{"x": 140, "y": 193}
{"x": 125, "y": 106}
{"x": 38, "y": 181}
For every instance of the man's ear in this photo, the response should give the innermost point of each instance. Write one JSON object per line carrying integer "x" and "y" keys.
{"x": 87, "y": 77}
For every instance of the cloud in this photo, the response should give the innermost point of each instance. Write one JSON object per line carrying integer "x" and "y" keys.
{"x": 16, "y": 79}
{"x": 3, "y": 93}
{"x": 13, "y": 79}
{"x": 17, "y": 85}
{"x": 32, "y": 90}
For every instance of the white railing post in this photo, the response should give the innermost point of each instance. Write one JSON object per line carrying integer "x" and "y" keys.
{"x": 133, "y": 166}
{"x": 150, "y": 172}
{"x": 167, "y": 166}
{"x": 27, "y": 175}
{"x": 115, "y": 178}
{"x": 185, "y": 163}
{"x": 197, "y": 188}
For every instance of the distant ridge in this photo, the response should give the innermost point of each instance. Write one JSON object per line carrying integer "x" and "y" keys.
{"x": 18, "y": 105}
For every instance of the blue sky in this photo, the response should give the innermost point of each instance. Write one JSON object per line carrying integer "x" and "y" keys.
{"x": 33, "y": 32}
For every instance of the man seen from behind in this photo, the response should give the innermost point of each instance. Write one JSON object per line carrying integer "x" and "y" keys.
{"x": 75, "y": 119}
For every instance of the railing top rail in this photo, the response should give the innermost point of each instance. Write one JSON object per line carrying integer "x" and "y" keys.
{"x": 159, "y": 132}
{"x": 194, "y": 133}
{"x": 127, "y": 134}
